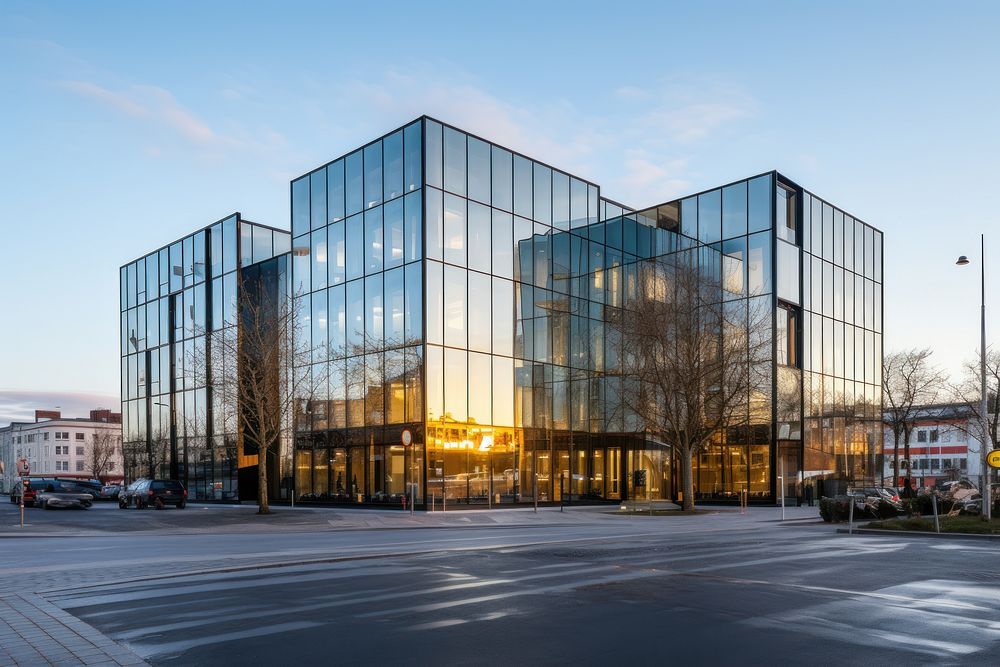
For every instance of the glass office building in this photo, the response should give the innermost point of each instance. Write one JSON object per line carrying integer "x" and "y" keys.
{"x": 175, "y": 303}
{"x": 459, "y": 291}
{"x": 455, "y": 300}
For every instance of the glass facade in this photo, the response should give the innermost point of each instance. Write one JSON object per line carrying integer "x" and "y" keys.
{"x": 175, "y": 303}
{"x": 460, "y": 291}
{"x": 456, "y": 298}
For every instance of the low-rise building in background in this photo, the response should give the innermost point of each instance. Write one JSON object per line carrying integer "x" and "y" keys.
{"x": 83, "y": 447}
{"x": 944, "y": 446}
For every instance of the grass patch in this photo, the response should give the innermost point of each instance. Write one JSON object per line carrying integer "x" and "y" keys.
{"x": 955, "y": 524}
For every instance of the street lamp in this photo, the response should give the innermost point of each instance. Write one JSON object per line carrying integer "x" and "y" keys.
{"x": 983, "y": 406}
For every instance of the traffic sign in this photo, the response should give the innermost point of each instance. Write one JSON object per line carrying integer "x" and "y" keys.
{"x": 406, "y": 437}
{"x": 23, "y": 469}
{"x": 993, "y": 458}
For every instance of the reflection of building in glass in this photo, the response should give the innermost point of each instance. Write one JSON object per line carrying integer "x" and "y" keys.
{"x": 460, "y": 291}
{"x": 175, "y": 302}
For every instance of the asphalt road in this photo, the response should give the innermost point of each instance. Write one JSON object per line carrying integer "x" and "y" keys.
{"x": 583, "y": 588}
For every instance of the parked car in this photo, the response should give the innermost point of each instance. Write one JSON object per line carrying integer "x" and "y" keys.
{"x": 28, "y": 486}
{"x": 63, "y": 493}
{"x": 157, "y": 493}
{"x": 109, "y": 492}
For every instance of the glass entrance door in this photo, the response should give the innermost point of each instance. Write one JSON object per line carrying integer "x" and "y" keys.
{"x": 614, "y": 483}
{"x": 789, "y": 465}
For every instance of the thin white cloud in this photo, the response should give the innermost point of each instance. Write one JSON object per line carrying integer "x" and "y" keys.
{"x": 639, "y": 156}
{"x": 107, "y": 97}
{"x": 159, "y": 107}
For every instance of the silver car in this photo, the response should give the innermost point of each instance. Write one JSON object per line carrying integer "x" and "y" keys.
{"x": 63, "y": 494}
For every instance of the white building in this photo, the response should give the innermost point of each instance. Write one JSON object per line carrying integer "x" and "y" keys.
{"x": 943, "y": 446}
{"x": 60, "y": 446}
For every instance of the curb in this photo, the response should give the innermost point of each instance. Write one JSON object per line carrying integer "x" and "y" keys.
{"x": 919, "y": 533}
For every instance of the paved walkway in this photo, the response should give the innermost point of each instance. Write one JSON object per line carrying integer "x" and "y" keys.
{"x": 36, "y": 632}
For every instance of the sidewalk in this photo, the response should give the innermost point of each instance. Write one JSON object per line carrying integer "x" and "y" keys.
{"x": 36, "y": 632}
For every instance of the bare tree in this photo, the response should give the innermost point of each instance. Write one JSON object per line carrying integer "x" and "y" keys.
{"x": 102, "y": 453}
{"x": 689, "y": 358}
{"x": 267, "y": 373}
{"x": 969, "y": 390}
{"x": 910, "y": 381}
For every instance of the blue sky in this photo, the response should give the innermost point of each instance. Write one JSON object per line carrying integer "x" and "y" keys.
{"x": 126, "y": 125}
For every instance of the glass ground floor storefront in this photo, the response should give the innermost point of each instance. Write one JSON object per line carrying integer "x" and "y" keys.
{"x": 470, "y": 465}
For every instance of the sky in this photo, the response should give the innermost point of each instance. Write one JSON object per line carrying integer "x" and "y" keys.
{"x": 126, "y": 125}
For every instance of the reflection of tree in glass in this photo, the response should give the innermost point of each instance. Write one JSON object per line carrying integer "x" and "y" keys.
{"x": 690, "y": 362}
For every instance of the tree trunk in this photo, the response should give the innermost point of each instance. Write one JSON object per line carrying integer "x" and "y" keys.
{"x": 907, "y": 492}
{"x": 895, "y": 458}
{"x": 262, "y": 502}
{"x": 687, "y": 480}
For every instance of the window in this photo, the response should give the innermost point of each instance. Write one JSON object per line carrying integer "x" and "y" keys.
{"x": 79, "y": 466}
{"x": 921, "y": 436}
{"x": 934, "y": 435}
{"x": 45, "y": 436}
{"x": 79, "y": 451}
{"x": 787, "y": 348}
{"x": 111, "y": 465}
{"x": 786, "y": 222}
{"x": 79, "y": 436}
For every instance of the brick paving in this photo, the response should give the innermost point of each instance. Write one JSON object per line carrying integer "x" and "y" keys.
{"x": 36, "y": 632}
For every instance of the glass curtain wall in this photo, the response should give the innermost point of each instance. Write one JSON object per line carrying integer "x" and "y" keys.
{"x": 357, "y": 228}
{"x": 460, "y": 291}
{"x": 842, "y": 348}
{"x": 175, "y": 302}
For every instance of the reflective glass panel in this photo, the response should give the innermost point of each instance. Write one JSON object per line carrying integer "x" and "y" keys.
{"x": 710, "y": 217}
{"x": 412, "y": 227}
{"x": 318, "y": 186}
{"x": 479, "y": 315}
{"x": 454, "y": 229}
{"x": 392, "y": 157}
{"x": 542, "y": 208}
{"x": 435, "y": 223}
{"x": 734, "y": 210}
{"x": 373, "y": 174}
{"x": 300, "y": 206}
{"x": 355, "y": 240}
{"x": 413, "y": 318}
{"x": 393, "y": 233}
{"x": 759, "y": 204}
{"x": 335, "y": 191}
{"x": 480, "y": 388}
{"x": 394, "y": 307}
{"x": 434, "y": 155}
{"x": 435, "y": 302}
{"x": 456, "y": 384}
{"x": 374, "y": 312}
{"x": 479, "y": 237}
{"x": 336, "y": 253}
{"x": 479, "y": 170}
{"x": 522, "y": 186}
{"x": 373, "y": 241}
{"x": 413, "y": 156}
{"x": 455, "y": 311}
{"x": 502, "y": 175}
{"x": 454, "y": 161}
{"x": 320, "y": 258}
{"x": 354, "y": 195}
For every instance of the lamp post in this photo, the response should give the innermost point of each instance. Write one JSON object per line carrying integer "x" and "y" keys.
{"x": 983, "y": 405}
